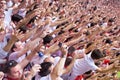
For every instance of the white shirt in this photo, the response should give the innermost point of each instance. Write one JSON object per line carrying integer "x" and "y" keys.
{"x": 14, "y": 56}
{"x": 81, "y": 52}
{"x": 56, "y": 60}
{"x": 22, "y": 12}
{"x": 48, "y": 77}
{"x": 81, "y": 66}
{"x": 38, "y": 60}
{"x": 9, "y": 3}
{"x": 7, "y": 18}
{"x": 3, "y": 53}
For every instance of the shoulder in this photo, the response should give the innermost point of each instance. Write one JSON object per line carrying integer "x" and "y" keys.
{"x": 48, "y": 77}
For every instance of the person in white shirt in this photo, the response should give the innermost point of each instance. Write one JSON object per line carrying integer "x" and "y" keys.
{"x": 3, "y": 42}
{"x": 87, "y": 63}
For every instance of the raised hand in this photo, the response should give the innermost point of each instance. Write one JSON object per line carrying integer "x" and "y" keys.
{"x": 19, "y": 35}
{"x": 35, "y": 69}
{"x": 31, "y": 45}
{"x": 1, "y": 75}
{"x": 28, "y": 75}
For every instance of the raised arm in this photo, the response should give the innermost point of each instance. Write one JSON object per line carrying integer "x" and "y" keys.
{"x": 25, "y": 61}
{"x": 58, "y": 69}
{"x": 9, "y": 45}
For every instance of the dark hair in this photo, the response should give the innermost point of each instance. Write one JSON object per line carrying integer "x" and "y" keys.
{"x": 76, "y": 30}
{"x": 61, "y": 32}
{"x": 47, "y": 39}
{"x": 77, "y": 21}
{"x": 88, "y": 72}
{"x": 108, "y": 41}
{"x": 9, "y": 65}
{"x": 104, "y": 52}
{"x": 12, "y": 49}
{"x": 16, "y": 17}
{"x": 96, "y": 54}
{"x": 71, "y": 49}
{"x": 23, "y": 29}
{"x": 117, "y": 53}
{"x": 95, "y": 8}
{"x": 44, "y": 71}
{"x": 32, "y": 20}
{"x": 68, "y": 61}
{"x": 68, "y": 39}
{"x": 87, "y": 33}
{"x": 111, "y": 20}
{"x": 93, "y": 24}
{"x": 71, "y": 29}
{"x": 89, "y": 44}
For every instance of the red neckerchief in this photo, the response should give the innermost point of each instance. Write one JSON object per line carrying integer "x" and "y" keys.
{"x": 106, "y": 61}
{"x": 80, "y": 77}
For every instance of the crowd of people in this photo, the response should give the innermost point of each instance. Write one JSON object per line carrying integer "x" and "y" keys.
{"x": 59, "y": 40}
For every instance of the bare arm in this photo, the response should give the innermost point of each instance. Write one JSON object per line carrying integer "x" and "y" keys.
{"x": 58, "y": 69}
{"x": 31, "y": 55}
{"x": 9, "y": 45}
{"x": 52, "y": 49}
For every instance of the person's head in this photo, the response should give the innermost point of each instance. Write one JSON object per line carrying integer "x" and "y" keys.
{"x": 47, "y": 39}
{"x": 71, "y": 49}
{"x": 49, "y": 59}
{"x": 96, "y": 54}
{"x": 108, "y": 41}
{"x": 23, "y": 29}
{"x": 17, "y": 46}
{"x": 68, "y": 61}
{"x": 46, "y": 68}
{"x": 13, "y": 69}
{"x": 16, "y": 18}
{"x": 88, "y": 45}
{"x": 110, "y": 21}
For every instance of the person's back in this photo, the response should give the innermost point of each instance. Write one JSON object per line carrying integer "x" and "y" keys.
{"x": 83, "y": 65}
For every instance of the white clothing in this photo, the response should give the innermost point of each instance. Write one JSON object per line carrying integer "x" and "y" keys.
{"x": 81, "y": 66}
{"x": 3, "y": 53}
{"x": 7, "y": 18}
{"x": 13, "y": 56}
{"x": 48, "y": 77}
{"x": 38, "y": 60}
{"x": 56, "y": 60}
{"x": 2, "y": 61}
{"x": 10, "y": 3}
{"x": 22, "y": 12}
{"x": 81, "y": 52}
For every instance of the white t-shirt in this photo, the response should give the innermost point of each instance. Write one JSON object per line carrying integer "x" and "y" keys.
{"x": 81, "y": 52}
{"x": 81, "y": 66}
{"x": 48, "y": 77}
{"x": 14, "y": 56}
{"x": 56, "y": 60}
{"x": 38, "y": 60}
{"x": 22, "y": 12}
{"x": 7, "y": 18}
{"x": 3, "y": 53}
